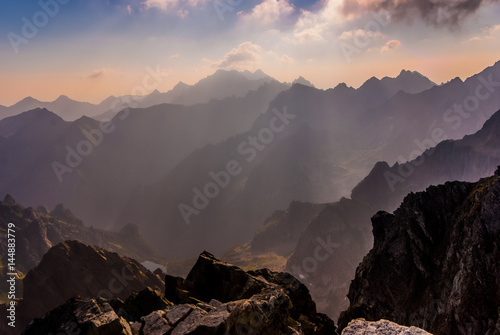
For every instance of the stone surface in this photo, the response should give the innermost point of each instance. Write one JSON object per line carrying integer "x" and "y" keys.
{"x": 79, "y": 316}
{"x": 382, "y": 327}
{"x": 155, "y": 323}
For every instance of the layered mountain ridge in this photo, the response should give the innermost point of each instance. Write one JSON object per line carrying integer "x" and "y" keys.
{"x": 328, "y": 145}
{"x": 220, "y": 85}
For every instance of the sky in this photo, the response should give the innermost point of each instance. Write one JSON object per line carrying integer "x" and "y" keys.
{"x": 91, "y": 49}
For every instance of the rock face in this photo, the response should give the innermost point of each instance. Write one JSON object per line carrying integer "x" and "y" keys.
{"x": 72, "y": 269}
{"x": 216, "y": 298}
{"x": 383, "y": 327}
{"x": 347, "y": 222}
{"x": 435, "y": 262}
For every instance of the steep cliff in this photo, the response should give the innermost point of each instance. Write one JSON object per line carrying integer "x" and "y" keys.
{"x": 435, "y": 262}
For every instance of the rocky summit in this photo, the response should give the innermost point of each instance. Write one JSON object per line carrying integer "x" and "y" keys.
{"x": 434, "y": 263}
{"x": 215, "y": 298}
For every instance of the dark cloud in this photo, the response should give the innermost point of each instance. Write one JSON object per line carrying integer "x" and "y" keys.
{"x": 434, "y": 12}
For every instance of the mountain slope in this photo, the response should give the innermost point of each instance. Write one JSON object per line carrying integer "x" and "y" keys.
{"x": 327, "y": 146}
{"x": 434, "y": 262}
{"x": 138, "y": 147}
{"x": 39, "y": 230}
{"x": 347, "y": 223}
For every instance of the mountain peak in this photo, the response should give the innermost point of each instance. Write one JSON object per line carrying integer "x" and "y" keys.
{"x": 9, "y": 200}
{"x": 63, "y": 97}
{"x": 66, "y": 215}
{"x": 405, "y": 74}
{"x": 180, "y": 85}
{"x": 301, "y": 80}
{"x": 256, "y": 75}
{"x": 341, "y": 86}
{"x": 456, "y": 80}
{"x": 259, "y": 72}
{"x": 27, "y": 100}
{"x": 155, "y": 92}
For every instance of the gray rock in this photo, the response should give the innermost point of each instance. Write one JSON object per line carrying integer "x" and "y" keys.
{"x": 156, "y": 324}
{"x": 382, "y": 327}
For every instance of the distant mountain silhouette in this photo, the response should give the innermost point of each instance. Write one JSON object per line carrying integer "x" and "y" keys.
{"x": 301, "y": 80}
{"x": 332, "y": 141}
{"x": 322, "y": 145}
{"x": 141, "y": 146}
{"x": 63, "y": 106}
{"x": 222, "y": 84}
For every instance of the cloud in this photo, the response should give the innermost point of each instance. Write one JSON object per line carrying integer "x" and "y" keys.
{"x": 242, "y": 57}
{"x": 391, "y": 45}
{"x": 175, "y": 56}
{"x": 487, "y": 34}
{"x": 269, "y": 11}
{"x": 101, "y": 73}
{"x": 347, "y": 35}
{"x": 433, "y": 12}
{"x": 315, "y": 26}
{"x": 177, "y": 7}
{"x": 287, "y": 59}
{"x": 164, "y": 5}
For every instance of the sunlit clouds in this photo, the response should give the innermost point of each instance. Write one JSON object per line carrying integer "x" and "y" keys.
{"x": 109, "y": 43}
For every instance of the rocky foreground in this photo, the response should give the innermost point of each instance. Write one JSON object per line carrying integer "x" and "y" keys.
{"x": 215, "y": 298}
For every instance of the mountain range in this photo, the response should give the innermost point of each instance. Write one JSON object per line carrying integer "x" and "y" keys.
{"x": 218, "y": 86}
{"x": 51, "y": 169}
{"x": 330, "y": 141}
{"x": 347, "y": 222}
{"x": 262, "y": 172}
